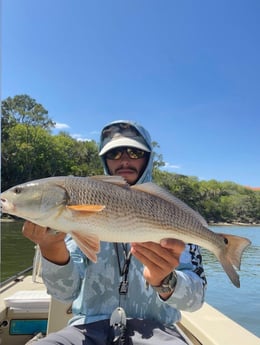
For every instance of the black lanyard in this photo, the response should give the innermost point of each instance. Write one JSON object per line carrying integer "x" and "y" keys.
{"x": 123, "y": 271}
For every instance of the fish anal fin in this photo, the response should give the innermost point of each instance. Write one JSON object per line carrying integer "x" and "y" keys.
{"x": 87, "y": 208}
{"x": 89, "y": 244}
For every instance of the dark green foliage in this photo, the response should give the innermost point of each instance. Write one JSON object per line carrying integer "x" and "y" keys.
{"x": 217, "y": 201}
{"x": 29, "y": 150}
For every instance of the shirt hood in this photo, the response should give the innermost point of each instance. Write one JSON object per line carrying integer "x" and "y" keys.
{"x": 141, "y": 140}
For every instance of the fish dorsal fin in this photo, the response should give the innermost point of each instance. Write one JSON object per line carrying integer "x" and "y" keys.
{"x": 117, "y": 180}
{"x": 154, "y": 189}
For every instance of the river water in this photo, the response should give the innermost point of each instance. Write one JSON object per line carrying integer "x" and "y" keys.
{"x": 242, "y": 305}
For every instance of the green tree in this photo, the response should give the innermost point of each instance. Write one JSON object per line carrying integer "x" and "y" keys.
{"x": 79, "y": 158}
{"x": 158, "y": 158}
{"x": 23, "y": 123}
{"x": 23, "y": 159}
{"x": 24, "y": 109}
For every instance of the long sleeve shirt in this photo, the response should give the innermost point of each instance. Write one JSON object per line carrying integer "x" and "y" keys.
{"x": 93, "y": 288}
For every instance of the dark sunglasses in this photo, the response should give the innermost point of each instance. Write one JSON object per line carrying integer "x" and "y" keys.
{"x": 132, "y": 153}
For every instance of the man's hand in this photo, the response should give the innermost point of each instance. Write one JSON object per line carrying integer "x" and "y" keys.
{"x": 159, "y": 259}
{"x": 52, "y": 245}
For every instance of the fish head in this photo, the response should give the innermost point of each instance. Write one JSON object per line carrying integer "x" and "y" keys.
{"x": 34, "y": 200}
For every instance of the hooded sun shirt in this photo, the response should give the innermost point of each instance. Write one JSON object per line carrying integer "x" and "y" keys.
{"x": 93, "y": 287}
{"x": 126, "y": 133}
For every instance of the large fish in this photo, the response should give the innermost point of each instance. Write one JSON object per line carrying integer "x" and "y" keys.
{"x": 106, "y": 208}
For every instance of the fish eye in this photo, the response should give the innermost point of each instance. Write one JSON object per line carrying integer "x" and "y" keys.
{"x": 225, "y": 240}
{"x": 18, "y": 190}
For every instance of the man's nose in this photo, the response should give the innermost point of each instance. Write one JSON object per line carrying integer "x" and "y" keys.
{"x": 125, "y": 157}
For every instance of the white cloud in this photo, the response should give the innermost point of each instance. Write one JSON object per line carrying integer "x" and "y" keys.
{"x": 59, "y": 125}
{"x": 169, "y": 166}
{"x": 79, "y": 137}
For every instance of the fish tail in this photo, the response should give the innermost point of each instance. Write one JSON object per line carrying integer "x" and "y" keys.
{"x": 231, "y": 256}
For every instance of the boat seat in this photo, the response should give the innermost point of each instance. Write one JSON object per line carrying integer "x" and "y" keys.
{"x": 28, "y": 301}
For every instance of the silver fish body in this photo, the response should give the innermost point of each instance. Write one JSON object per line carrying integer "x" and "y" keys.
{"x": 105, "y": 208}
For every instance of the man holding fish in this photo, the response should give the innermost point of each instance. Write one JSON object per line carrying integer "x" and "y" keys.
{"x": 133, "y": 290}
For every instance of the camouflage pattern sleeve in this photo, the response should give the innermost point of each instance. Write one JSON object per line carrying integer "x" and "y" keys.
{"x": 63, "y": 282}
{"x": 191, "y": 285}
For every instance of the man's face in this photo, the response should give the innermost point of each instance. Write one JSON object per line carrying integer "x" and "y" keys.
{"x": 130, "y": 169}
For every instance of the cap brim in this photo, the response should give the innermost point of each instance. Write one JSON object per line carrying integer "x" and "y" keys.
{"x": 123, "y": 142}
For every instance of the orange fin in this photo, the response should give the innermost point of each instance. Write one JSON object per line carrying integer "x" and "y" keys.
{"x": 86, "y": 208}
{"x": 89, "y": 244}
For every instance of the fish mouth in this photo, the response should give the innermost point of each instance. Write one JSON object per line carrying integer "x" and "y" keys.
{"x": 6, "y": 206}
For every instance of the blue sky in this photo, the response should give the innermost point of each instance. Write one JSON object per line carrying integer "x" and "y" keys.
{"x": 189, "y": 71}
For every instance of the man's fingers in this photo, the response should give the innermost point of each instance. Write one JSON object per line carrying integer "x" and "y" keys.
{"x": 30, "y": 229}
{"x": 41, "y": 235}
{"x": 150, "y": 253}
{"x": 177, "y": 246}
{"x": 147, "y": 255}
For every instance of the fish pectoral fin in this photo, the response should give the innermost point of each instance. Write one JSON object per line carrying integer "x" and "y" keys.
{"x": 87, "y": 208}
{"x": 89, "y": 244}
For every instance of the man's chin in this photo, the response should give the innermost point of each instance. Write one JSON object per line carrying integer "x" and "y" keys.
{"x": 130, "y": 177}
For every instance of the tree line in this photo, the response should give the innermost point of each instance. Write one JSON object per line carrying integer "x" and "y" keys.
{"x": 30, "y": 151}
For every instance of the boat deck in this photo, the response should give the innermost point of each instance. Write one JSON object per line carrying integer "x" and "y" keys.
{"x": 24, "y": 303}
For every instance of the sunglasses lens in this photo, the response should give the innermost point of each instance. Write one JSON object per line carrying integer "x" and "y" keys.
{"x": 114, "y": 154}
{"x": 135, "y": 153}
{"x": 132, "y": 153}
